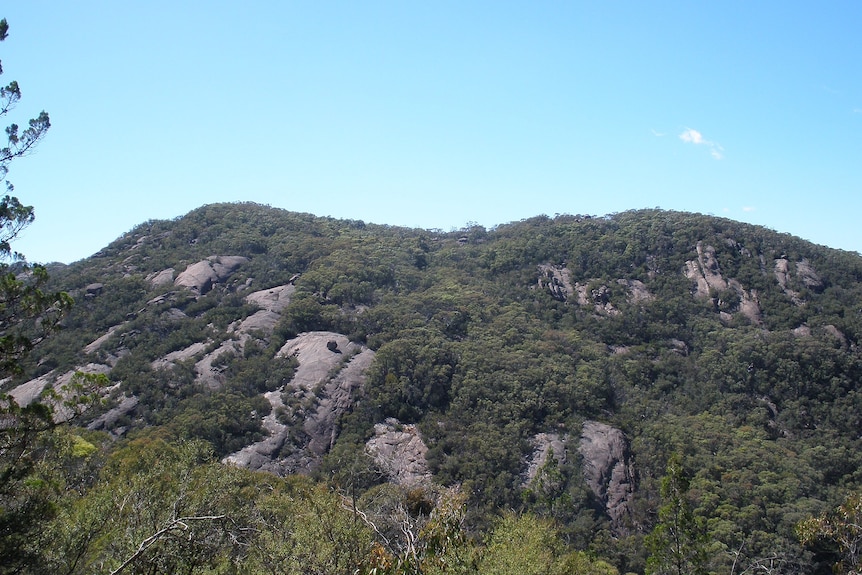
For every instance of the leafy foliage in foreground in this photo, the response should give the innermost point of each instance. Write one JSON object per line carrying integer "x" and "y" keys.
{"x": 162, "y": 508}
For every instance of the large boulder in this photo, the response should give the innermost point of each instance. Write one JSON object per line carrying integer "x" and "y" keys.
{"x": 93, "y": 290}
{"x": 162, "y": 278}
{"x": 274, "y": 299}
{"x": 201, "y": 276}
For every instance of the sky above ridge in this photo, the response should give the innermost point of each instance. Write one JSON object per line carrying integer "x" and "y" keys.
{"x": 436, "y": 114}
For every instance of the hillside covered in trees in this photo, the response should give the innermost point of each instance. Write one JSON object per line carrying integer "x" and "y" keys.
{"x": 246, "y": 389}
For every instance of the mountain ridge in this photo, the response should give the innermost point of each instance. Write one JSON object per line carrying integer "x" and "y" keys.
{"x": 676, "y": 332}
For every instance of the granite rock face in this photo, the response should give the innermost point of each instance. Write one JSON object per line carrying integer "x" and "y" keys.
{"x": 593, "y": 294}
{"x": 323, "y": 388}
{"x": 608, "y": 471}
{"x": 606, "y": 465}
{"x": 545, "y": 446}
{"x": 557, "y": 280}
{"x": 727, "y": 295}
{"x": 400, "y": 451}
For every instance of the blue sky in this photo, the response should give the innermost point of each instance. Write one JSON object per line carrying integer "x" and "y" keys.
{"x": 436, "y": 114}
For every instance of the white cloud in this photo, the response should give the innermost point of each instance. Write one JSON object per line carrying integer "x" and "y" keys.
{"x": 692, "y": 136}
{"x": 748, "y": 208}
{"x": 658, "y": 134}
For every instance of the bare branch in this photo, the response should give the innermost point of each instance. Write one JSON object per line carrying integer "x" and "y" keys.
{"x": 347, "y": 504}
{"x": 180, "y": 523}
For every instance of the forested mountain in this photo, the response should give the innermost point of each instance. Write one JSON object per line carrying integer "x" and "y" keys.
{"x": 562, "y": 382}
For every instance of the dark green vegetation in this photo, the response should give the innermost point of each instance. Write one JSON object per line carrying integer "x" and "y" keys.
{"x": 749, "y": 387}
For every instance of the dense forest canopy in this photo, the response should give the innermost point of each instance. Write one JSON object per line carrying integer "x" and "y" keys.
{"x": 726, "y": 356}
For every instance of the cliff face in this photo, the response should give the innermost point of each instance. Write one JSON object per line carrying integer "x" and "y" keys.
{"x": 609, "y": 471}
{"x": 606, "y": 466}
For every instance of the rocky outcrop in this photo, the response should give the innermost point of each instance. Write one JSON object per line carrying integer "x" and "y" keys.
{"x": 636, "y": 290}
{"x": 805, "y": 275}
{"x": 28, "y": 392}
{"x": 557, "y": 280}
{"x": 260, "y": 324}
{"x": 337, "y": 397}
{"x": 802, "y": 331}
{"x": 263, "y": 455}
{"x": 323, "y": 388}
{"x": 399, "y": 451}
{"x": 606, "y": 466}
{"x": 205, "y": 373}
{"x": 315, "y": 359}
{"x": 201, "y": 277}
{"x": 782, "y": 276}
{"x": 162, "y": 278}
{"x": 97, "y": 344}
{"x": 273, "y": 299}
{"x": 608, "y": 471}
{"x": 835, "y": 333}
{"x": 705, "y": 271}
{"x": 749, "y": 306}
{"x": 180, "y": 355}
{"x": 110, "y": 419}
{"x": 209, "y": 370}
{"x": 597, "y": 296}
{"x": 728, "y": 296}
{"x": 826, "y": 331}
{"x": 545, "y": 446}
{"x": 174, "y": 314}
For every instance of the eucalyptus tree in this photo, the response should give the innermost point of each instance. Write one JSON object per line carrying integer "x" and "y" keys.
{"x": 677, "y": 544}
{"x": 27, "y": 315}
